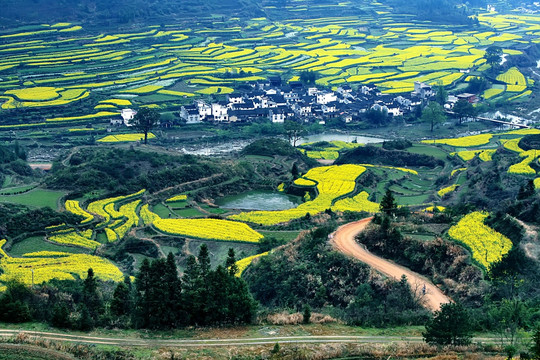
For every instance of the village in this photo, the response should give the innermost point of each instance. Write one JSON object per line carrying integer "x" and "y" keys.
{"x": 279, "y": 102}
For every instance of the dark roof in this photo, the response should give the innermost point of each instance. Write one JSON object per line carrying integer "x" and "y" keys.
{"x": 277, "y": 98}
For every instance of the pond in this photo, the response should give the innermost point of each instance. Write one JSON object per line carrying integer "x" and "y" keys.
{"x": 341, "y": 137}
{"x": 212, "y": 148}
{"x": 259, "y": 200}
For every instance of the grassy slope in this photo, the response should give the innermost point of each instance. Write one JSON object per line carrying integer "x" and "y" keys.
{"x": 36, "y": 198}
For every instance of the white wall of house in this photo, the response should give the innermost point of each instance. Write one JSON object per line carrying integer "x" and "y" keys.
{"x": 325, "y": 98}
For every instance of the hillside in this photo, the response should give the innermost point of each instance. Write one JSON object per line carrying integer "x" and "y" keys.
{"x": 101, "y": 13}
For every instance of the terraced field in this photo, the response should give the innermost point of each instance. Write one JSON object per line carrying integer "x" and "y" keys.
{"x": 47, "y": 69}
{"x": 67, "y": 251}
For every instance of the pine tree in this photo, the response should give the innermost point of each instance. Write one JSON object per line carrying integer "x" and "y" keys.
{"x": 388, "y": 203}
{"x": 294, "y": 171}
{"x": 142, "y": 285}
{"x": 86, "y": 322}
{"x": 91, "y": 296}
{"x": 230, "y": 264}
{"x": 306, "y": 317}
{"x": 173, "y": 294}
{"x": 191, "y": 295}
{"x": 120, "y": 301}
{"x": 204, "y": 260}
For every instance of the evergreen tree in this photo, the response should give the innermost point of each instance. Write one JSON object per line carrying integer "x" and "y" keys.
{"x": 218, "y": 299}
{"x": 14, "y": 303}
{"x": 142, "y": 285}
{"x": 388, "y": 203}
{"x": 449, "y": 326}
{"x": 120, "y": 303}
{"x": 86, "y": 322}
{"x": 306, "y": 316}
{"x": 192, "y": 284}
{"x": 60, "y": 315}
{"x": 173, "y": 294}
{"x": 204, "y": 260}
{"x": 230, "y": 264}
{"x": 91, "y": 296}
{"x": 294, "y": 171}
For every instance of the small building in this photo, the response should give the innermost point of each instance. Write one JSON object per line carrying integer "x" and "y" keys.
{"x": 128, "y": 115}
{"x": 220, "y": 111}
{"x": 190, "y": 113}
{"x": 467, "y": 96}
{"x": 277, "y": 115}
{"x": 422, "y": 90}
{"x": 326, "y": 97}
{"x": 235, "y": 98}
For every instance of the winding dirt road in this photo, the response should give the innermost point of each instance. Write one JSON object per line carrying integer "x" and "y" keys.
{"x": 343, "y": 239}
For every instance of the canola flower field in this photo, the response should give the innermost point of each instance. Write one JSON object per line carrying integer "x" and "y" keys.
{"x": 48, "y": 265}
{"x": 165, "y": 67}
{"x": 487, "y": 245}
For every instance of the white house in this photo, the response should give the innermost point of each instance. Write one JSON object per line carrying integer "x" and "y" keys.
{"x": 277, "y": 115}
{"x": 302, "y": 109}
{"x": 344, "y": 90}
{"x": 127, "y": 115}
{"x": 204, "y": 109}
{"x": 235, "y": 98}
{"x": 329, "y": 108}
{"x": 220, "y": 112}
{"x": 312, "y": 91}
{"x": 190, "y": 114}
{"x": 326, "y": 97}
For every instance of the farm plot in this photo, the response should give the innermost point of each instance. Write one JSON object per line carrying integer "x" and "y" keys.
{"x": 333, "y": 182}
{"x": 487, "y": 246}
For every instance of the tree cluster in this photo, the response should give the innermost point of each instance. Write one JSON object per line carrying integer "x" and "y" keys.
{"x": 125, "y": 171}
{"x": 375, "y": 155}
{"x": 159, "y": 298}
{"x": 201, "y": 297}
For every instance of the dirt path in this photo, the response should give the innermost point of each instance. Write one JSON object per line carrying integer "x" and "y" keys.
{"x": 217, "y": 342}
{"x": 343, "y": 239}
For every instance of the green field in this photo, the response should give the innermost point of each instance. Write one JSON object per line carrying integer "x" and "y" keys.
{"x": 38, "y": 243}
{"x": 35, "y": 198}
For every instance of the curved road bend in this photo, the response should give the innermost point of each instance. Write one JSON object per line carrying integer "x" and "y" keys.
{"x": 343, "y": 239}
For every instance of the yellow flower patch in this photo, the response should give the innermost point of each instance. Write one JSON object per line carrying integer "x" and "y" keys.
{"x": 214, "y": 229}
{"x": 125, "y": 137}
{"x": 487, "y": 245}
{"x": 245, "y": 262}
{"x": 467, "y": 141}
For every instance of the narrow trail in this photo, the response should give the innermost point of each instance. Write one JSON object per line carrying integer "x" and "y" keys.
{"x": 343, "y": 239}
{"x": 216, "y": 342}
